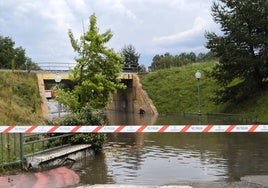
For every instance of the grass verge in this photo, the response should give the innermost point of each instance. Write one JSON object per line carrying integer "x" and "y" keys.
{"x": 20, "y": 102}
{"x": 174, "y": 90}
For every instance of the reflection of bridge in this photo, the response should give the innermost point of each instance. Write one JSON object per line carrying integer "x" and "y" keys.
{"x": 128, "y": 100}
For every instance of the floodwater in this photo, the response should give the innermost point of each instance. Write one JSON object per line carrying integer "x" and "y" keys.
{"x": 171, "y": 158}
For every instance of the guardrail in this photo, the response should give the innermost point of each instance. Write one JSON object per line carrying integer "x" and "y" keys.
{"x": 56, "y": 66}
{"x": 15, "y": 147}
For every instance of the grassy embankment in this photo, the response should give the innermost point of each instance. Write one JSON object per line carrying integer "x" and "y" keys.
{"x": 174, "y": 90}
{"x": 20, "y": 102}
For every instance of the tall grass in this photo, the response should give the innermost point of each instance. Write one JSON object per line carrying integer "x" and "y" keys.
{"x": 174, "y": 90}
{"x": 20, "y": 102}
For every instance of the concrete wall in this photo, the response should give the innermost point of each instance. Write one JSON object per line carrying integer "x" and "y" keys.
{"x": 41, "y": 87}
{"x": 133, "y": 98}
{"x": 59, "y": 157}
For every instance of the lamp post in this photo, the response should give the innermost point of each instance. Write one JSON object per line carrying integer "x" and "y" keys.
{"x": 198, "y": 76}
{"x": 58, "y": 80}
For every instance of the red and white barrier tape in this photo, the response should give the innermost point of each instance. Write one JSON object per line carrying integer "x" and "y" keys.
{"x": 134, "y": 129}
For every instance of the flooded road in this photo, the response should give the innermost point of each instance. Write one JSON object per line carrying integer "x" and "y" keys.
{"x": 170, "y": 158}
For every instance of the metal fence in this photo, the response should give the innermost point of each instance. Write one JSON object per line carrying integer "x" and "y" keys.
{"x": 56, "y": 66}
{"x": 15, "y": 147}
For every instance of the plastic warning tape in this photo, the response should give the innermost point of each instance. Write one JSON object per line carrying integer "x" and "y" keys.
{"x": 134, "y": 129}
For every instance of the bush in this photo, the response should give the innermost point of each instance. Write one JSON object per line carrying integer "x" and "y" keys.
{"x": 87, "y": 116}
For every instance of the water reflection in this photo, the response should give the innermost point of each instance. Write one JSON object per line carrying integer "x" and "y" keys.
{"x": 173, "y": 158}
{"x": 170, "y": 158}
{"x": 94, "y": 170}
{"x": 119, "y": 118}
{"x": 122, "y": 118}
{"x": 214, "y": 119}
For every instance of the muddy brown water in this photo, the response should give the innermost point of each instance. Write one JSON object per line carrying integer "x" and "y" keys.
{"x": 171, "y": 158}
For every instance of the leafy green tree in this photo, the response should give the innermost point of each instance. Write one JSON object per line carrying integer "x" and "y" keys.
{"x": 95, "y": 78}
{"x": 130, "y": 58}
{"x": 30, "y": 65}
{"x": 142, "y": 68}
{"x": 167, "y": 60}
{"x": 192, "y": 57}
{"x": 6, "y": 52}
{"x": 202, "y": 57}
{"x": 242, "y": 48}
{"x": 14, "y": 58}
{"x": 96, "y": 75}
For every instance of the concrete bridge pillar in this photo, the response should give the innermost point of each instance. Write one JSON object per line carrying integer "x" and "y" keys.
{"x": 132, "y": 98}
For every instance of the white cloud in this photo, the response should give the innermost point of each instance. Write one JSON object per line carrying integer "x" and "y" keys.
{"x": 199, "y": 26}
{"x": 118, "y": 7}
{"x": 152, "y": 26}
{"x": 58, "y": 14}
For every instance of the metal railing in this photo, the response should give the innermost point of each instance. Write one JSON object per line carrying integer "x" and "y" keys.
{"x": 15, "y": 147}
{"x": 56, "y": 66}
{"x": 9, "y": 149}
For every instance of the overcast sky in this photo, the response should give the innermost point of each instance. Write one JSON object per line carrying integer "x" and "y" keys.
{"x": 152, "y": 26}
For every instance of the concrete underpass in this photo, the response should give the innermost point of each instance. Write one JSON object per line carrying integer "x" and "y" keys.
{"x": 129, "y": 100}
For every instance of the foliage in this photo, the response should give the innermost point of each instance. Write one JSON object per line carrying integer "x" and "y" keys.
{"x": 142, "y": 68}
{"x": 167, "y": 60}
{"x": 30, "y": 65}
{"x": 86, "y": 116}
{"x": 14, "y": 58}
{"x": 96, "y": 75}
{"x": 68, "y": 98}
{"x": 242, "y": 49}
{"x": 95, "y": 78}
{"x": 174, "y": 90}
{"x": 20, "y": 102}
{"x": 95, "y": 139}
{"x": 130, "y": 58}
{"x": 204, "y": 57}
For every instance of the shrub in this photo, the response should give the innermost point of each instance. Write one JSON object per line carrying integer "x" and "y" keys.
{"x": 87, "y": 116}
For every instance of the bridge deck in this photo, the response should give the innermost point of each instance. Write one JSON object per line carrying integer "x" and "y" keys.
{"x": 65, "y": 76}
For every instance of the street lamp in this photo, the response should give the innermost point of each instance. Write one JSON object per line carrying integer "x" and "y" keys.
{"x": 57, "y": 80}
{"x": 198, "y": 76}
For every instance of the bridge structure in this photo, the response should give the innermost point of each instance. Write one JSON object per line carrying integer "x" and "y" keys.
{"x": 67, "y": 66}
{"x": 130, "y": 99}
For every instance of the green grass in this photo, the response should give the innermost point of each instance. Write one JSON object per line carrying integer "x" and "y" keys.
{"x": 20, "y": 102}
{"x": 175, "y": 91}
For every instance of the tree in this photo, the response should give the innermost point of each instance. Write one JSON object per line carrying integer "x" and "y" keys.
{"x": 130, "y": 58}
{"x": 202, "y": 57}
{"x": 167, "y": 60}
{"x": 30, "y": 65}
{"x": 96, "y": 74}
{"x": 192, "y": 57}
{"x": 95, "y": 78}
{"x": 142, "y": 68}
{"x": 6, "y": 52}
{"x": 14, "y": 58}
{"x": 242, "y": 49}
